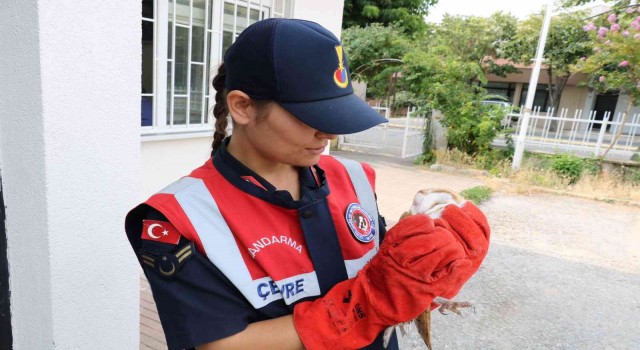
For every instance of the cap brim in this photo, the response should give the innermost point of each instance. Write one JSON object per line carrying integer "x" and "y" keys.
{"x": 341, "y": 115}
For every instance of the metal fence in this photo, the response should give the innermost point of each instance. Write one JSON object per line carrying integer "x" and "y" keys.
{"x": 401, "y": 137}
{"x": 414, "y": 129}
{"x": 370, "y": 139}
{"x": 581, "y": 133}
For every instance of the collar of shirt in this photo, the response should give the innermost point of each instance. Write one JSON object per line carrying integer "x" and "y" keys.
{"x": 312, "y": 187}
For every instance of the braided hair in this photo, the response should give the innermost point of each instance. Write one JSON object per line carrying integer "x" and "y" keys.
{"x": 220, "y": 111}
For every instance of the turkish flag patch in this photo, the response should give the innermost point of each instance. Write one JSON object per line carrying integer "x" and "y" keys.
{"x": 160, "y": 231}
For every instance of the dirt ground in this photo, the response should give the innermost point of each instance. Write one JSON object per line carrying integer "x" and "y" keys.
{"x": 561, "y": 273}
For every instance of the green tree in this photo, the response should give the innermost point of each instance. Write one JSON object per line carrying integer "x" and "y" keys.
{"x": 442, "y": 68}
{"x": 566, "y": 44}
{"x": 615, "y": 61}
{"x": 446, "y": 69}
{"x": 441, "y": 81}
{"x": 374, "y": 53}
{"x": 477, "y": 39}
{"x": 573, "y": 3}
{"x": 407, "y": 14}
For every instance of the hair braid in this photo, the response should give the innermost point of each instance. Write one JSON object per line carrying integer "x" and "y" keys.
{"x": 220, "y": 110}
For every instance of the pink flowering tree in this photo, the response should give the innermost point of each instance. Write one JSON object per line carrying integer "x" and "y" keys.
{"x": 614, "y": 64}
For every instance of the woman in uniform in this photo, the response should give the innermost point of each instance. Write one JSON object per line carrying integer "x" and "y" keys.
{"x": 271, "y": 245}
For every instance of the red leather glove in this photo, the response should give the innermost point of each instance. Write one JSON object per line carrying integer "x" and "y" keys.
{"x": 417, "y": 261}
{"x": 470, "y": 227}
{"x": 460, "y": 217}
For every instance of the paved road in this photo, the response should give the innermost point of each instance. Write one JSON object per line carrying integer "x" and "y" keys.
{"x": 384, "y": 141}
{"x": 562, "y": 273}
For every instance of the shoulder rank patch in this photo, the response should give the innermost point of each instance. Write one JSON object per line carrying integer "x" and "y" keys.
{"x": 360, "y": 223}
{"x": 160, "y": 231}
{"x": 167, "y": 264}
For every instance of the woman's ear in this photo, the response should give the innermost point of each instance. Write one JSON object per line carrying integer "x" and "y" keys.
{"x": 240, "y": 107}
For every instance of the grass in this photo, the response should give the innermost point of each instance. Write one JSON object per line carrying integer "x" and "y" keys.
{"x": 477, "y": 194}
{"x": 537, "y": 174}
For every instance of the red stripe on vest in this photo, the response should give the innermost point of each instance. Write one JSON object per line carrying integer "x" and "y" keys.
{"x": 169, "y": 207}
{"x": 371, "y": 175}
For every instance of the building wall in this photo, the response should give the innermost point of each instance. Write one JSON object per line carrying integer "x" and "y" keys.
{"x": 23, "y": 176}
{"x": 621, "y": 107}
{"x": 165, "y": 160}
{"x": 573, "y": 97}
{"x": 69, "y": 150}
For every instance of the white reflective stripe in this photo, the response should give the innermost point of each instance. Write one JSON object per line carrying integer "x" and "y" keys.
{"x": 355, "y": 265}
{"x": 291, "y": 289}
{"x": 179, "y": 185}
{"x": 222, "y": 250}
{"x": 363, "y": 191}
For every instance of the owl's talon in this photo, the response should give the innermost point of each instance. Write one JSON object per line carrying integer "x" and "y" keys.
{"x": 454, "y": 306}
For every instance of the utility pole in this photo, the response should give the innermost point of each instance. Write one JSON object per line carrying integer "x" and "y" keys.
{"x": 533, "y": 84}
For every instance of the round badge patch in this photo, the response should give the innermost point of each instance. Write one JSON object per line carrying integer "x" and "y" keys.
{"x": 360, "y": 223}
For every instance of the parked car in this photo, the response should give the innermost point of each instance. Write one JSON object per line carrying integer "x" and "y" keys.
{"x": 510, "y": 118}
{"x": 497, "y": 103}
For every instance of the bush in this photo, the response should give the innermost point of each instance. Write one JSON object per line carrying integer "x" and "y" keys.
{"x": 492, "y": 159}
{"x": 593, "y": 166}
{"x": 632, "y": 175}
{"x": 477, "y": 194}
{"x": 428, "y": 156}
{"x": 568, "y": 167}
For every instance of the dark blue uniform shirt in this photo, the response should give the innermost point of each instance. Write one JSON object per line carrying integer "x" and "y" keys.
{"x": 199, "y": 304}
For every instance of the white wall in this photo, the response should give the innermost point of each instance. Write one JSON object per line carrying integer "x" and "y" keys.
{"x": 166, "y": 161}
{"x": 327, "y": 13}
{"x": 23, "y": 175}
{"x": 69, "y": 134}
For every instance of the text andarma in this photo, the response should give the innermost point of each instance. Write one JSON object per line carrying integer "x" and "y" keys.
{"x": 264, "y": 242}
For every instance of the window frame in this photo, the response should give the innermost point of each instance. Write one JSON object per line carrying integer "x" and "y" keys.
{"x": 213, "y": 46}
{"x": 541, "y": 88}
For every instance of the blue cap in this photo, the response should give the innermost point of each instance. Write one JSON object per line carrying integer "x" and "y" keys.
{"x": 303, "y": 67}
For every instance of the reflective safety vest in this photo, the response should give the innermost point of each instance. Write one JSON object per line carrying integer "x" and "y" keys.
{"x": 270, "y": 252}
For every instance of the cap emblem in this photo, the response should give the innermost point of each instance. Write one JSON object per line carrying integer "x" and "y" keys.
{"x": 340, "y": 76}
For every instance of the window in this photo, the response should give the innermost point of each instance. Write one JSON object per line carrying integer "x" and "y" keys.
{"x": 506, "y": 90}
{"x": 183, "y": 41}
{"x": 236, "y": 19}
{"x": 148, "y": 63}
{"x": 541, "y": 98}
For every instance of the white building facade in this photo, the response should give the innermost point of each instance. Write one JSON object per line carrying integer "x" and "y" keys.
{"x": 81, "y": 143}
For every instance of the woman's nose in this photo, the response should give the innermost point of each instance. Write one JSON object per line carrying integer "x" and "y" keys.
{"x": 324, "y": 135}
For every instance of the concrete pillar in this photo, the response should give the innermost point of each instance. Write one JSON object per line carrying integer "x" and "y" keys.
{"x": 589, "y": 105}
{"x": 69, "y": 152}
{"x": 517, "y": 94}
{"x": 438, "y": 130}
